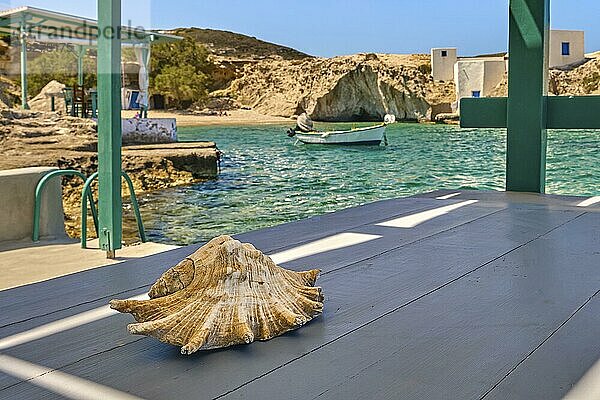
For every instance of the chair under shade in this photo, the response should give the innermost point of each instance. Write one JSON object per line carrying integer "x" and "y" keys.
{"x": 79, "y": 103}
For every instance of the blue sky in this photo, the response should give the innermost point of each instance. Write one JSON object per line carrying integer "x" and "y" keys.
{"x": 335, "y": 27}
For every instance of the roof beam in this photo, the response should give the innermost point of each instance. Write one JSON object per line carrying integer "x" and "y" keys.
{"x": 62, "y": 26}
{"x": 563, "y": 112}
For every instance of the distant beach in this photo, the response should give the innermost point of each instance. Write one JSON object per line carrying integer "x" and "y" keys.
{"x": 233, "y": 117}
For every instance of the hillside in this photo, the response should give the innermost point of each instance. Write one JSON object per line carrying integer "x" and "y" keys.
{"x": 232, "y": 45}
{"x": 580, "y": 80}
{"x": 348, "y": 88}
{"x": 279, "y": 81}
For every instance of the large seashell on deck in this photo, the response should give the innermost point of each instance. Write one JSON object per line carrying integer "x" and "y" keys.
{"x": 226, "y": 293}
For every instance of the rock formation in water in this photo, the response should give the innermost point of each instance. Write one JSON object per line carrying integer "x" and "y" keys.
{"x": 349, "y": 88}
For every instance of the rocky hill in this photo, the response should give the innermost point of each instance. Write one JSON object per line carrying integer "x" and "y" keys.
{"x": 232, "y": 45}
{"x": 230, "y": 52}
{"x": 348, "y": 88}
{"x": 579, "y": 80}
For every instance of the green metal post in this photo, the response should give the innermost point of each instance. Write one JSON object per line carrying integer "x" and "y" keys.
{"x": 80, "y": 54}
{"x": 109, "y": 126}
{"x": 145, "y": 57}
{"x": 527, "y": 87}
{"x": 23, "y": 38}
{"x": 528, "y": 111}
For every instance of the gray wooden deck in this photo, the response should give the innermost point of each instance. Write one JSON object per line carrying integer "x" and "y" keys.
{"x": 495, "y": 299}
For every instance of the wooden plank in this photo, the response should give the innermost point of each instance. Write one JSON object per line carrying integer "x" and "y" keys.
{"x": 292, "y": 234}
{"x": 488, "y": 112}
{"x": 553, "y": 369}
{"x": 108, "y": 334}
{"x": 103, "y": 283}
{"x": 355, "y": 295}
{"x": 23, "y": 303}
{"x": 573, "y": 112}
{"x": 458, "y": 342}
{"x": 564, "y": 112}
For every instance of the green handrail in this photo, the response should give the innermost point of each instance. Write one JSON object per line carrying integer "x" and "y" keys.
{"x": 39, "y": 190}
{"x": 87, "y": 192}
{"x": 136, "y": 207}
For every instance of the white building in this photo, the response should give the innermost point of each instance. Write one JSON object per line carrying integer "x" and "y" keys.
{"x": 477, "y": 77}
{"x": 566, "y": 47}
{"x": 442, "y": 63}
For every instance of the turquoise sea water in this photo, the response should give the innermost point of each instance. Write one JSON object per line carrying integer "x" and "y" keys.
{"x": 266, "y": 180}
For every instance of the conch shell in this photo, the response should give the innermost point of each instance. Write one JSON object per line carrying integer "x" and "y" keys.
{"x": 224, "y": 294}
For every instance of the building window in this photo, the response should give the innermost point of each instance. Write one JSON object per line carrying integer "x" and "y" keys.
{"x": 444, "y": 53}
{"x": 566, "y": 48}
{"x": 476, "y": 93}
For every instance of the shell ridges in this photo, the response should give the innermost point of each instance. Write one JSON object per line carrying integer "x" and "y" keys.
{"x": 224, "y": 294}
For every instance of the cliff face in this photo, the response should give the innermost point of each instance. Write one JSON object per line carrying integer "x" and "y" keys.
{"x": 361, "y": 87}
{"x": 10, "y": 93}
{"x": 361, "y": 95}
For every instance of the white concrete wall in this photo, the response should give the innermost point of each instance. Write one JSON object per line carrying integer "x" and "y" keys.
{"x": 17, "y": 199}
{"x": 468, "y": 77}
{"x": 442, "y": 68}
{"x": 481, "y": 75}
{"x": 576, "y": 42}
{"x": 149, "y": 130}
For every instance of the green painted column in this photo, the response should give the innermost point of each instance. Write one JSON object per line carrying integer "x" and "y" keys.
{"x": 23, "y": 39}
{"x": 109, "y": 126}
{"x": 80, "y": 55}
{"x": 527, "y": 87}
{"x": 528, "y": 111}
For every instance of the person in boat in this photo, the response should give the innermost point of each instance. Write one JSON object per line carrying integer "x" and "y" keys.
{"x": 303, "y": 124}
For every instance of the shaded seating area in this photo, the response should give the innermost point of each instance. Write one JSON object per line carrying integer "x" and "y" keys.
{"x": 81, "y": 102}
{"x": 45, "y": 26}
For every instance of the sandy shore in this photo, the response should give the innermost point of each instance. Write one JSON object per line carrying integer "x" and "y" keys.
{"x": 235, "y": 117}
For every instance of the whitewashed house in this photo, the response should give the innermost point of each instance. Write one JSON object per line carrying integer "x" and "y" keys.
{"x": 442, "y": 63}
{"x": 477, "y": 77}
{"x": 566, "y": 47}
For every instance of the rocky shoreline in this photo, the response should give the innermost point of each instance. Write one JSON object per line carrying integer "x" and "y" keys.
{"x": 30, "y": 138}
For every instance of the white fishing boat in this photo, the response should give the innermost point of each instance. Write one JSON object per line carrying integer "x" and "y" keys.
{"x": 371, "y": 135}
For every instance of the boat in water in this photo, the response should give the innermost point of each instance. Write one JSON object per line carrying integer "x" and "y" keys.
{"x": 371, "y": 135}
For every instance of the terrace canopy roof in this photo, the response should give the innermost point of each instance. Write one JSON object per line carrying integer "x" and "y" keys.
{"x": 30, "y": 23}
{"x": 52, "y": 26}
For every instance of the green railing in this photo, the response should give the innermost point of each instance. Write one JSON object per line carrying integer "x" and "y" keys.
{"x": 39, "y": 190}
{"x": 134, "y": 203}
